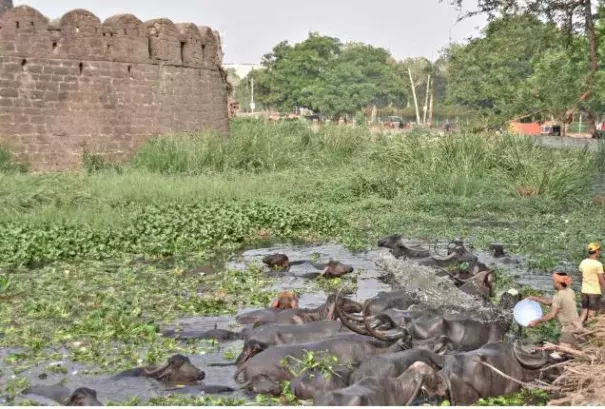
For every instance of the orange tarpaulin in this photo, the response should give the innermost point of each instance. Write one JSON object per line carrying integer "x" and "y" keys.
{"x": 532, "y": 128}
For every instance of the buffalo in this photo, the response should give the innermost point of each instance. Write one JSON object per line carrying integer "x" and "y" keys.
{"x": 463, "y": 331}
{"x": 400, "y": 250}
{"x": 497, "y": 250}
{"x": 63, "y": 396}
{"x": 463, "y": 378}
{"x": 178, "y": 370}
{"x": 378, "y": 391}
{"x": 266, "y": 370}
{"x": 470, "y": 376}
{"x": 395, "y": 364}
{"x": 400, "y": 299}
{"x": 306, "y": 385}
{"x": 281, "y": 262}
{"x": 285, "y": 300}
{"x": 221, "y": 335}
{"x": 298, "y": 315}
{"x": 266, "y": 336}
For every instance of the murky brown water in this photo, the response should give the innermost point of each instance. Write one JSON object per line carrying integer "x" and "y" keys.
{"x": 369, "y": 284}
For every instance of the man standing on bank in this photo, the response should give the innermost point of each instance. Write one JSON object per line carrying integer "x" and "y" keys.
{"x": 593, "y": 281}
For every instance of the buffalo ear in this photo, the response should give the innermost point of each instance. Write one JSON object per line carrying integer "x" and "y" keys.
{"x": 275, "y": 303}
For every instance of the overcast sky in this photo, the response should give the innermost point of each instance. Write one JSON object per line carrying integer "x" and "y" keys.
{"x": 408, "y": 28}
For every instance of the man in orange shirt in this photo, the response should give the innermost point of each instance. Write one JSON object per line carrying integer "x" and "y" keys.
{"x": 592, "y": 282}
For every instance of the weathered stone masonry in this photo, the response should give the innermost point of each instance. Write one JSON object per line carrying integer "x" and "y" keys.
{"x": 79, "y": 84}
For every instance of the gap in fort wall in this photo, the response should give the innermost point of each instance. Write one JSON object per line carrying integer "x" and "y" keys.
{"x": 78, "y": 85}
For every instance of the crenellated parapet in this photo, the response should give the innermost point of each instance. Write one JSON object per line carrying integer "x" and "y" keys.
{"x": 78, "y": 84}
{"x": 79, "y": 34}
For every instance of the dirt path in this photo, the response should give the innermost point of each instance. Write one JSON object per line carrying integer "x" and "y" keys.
{"x": 567, "y": 142}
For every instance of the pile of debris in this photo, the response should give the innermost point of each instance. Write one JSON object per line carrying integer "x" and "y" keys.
{"x": 581, "y": 380}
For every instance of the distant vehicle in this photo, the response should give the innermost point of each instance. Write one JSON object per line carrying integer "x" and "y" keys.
{"x": 394, "y": 122}
{"x": 313, "y": 117}
{"x": 550, "y": 129}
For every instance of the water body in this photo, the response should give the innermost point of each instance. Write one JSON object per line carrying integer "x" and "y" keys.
{"x": 369, "y": 268}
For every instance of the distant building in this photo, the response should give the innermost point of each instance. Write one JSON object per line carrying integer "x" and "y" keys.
{"x": 242, "y": 69}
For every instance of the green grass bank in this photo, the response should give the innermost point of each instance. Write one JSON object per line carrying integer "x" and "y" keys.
{"x": 192, "y": 194}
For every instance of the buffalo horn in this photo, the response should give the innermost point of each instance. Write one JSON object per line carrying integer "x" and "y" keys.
{"x": 529, "y": 360}
{"x": 378, "y": 334}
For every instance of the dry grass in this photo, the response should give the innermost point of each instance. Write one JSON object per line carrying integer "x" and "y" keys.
{"x": 582, "y": 379}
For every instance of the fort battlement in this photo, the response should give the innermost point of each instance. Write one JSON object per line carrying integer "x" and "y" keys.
{"x": 77, "y": 84}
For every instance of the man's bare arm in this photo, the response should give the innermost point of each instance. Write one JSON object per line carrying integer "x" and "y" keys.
{"x": 544, "y": 301}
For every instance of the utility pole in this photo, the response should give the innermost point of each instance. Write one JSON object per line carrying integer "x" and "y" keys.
{"x": 252, "y": 104}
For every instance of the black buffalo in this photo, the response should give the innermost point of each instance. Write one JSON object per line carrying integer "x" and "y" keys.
{"x": 298, "y": 315}
{"x": 266, "y": 336}
{"x": 266, "y": 370}
{"x": 63, "y": 396}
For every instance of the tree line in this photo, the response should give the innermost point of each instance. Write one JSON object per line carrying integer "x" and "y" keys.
{"x": 534, "y": 57}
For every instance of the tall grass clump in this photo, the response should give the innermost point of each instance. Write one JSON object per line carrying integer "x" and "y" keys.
{"x": 254, "y": 146}
{"x": 8, "y": 165}
{"x": 468, "y": 165}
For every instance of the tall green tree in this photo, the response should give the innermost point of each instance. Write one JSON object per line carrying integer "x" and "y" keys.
{"x": 489, "y": 75}
{"x": 571, "y": 15}
{"x": 290, "y": 69}
{"x": 322, "y": 74}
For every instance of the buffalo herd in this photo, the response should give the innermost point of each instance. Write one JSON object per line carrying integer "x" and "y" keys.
{"x": 392, "y": 349}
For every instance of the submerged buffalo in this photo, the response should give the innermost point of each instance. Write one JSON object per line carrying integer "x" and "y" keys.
{"x": 63, "y": 396}
{"x": 470, "y": 376}
{"x": 308, "y": 384}
{"x": 285, "y": 300}
{"x": 377, "y": 391}
{"x": 299, "y": 315}
{"x": 463, "y": 331}
{"x": 281, "y": 262}
{"x": 395, "y": 364}
{"x": 266, "y": 336}
{"x": 497, "y": 250}
{"x": 464, "y": 378}
{"x": 264, "y": 372}
{"x": 220, "y": 335}
{"x": 178, "y": 370}
{"x": 400, "y": 299}
{"x": 401, "y": 250}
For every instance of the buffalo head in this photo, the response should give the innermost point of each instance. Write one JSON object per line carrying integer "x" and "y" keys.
{"x": 374, "y": 391}
{"x": 83, "y": 397}
{"x": 390, "y": 242}
{"x": 179, "y": 370}
{"x": 251, "y": 348}
{"x": 432, "y": 382}
{"x": 347, "y": 305}
{"x": 277, "y": 262}
{"x": 530, "y": 360}
{"x": 497, "y": 250}
{"x": 285, "y": 300}
{"x": 509, "y": 299}
{"x": 337, "y": 269}
{"x": 363, "y": 326}
{"x": 481, "y": 283}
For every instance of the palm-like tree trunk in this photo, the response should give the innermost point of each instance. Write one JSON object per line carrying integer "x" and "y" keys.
{"x": 414, "y": 94}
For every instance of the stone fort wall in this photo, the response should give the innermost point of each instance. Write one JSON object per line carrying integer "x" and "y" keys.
{"x": 78, "y": 85}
